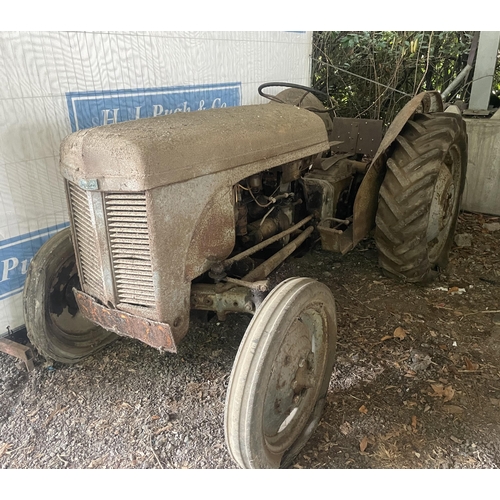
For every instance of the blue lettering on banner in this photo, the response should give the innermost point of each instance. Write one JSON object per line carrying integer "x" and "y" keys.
{"x": 16, "y": 254}
{"x": 91, "y": 109}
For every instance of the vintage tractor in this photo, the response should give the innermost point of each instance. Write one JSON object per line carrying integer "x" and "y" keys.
{"x": 193, "y": 211}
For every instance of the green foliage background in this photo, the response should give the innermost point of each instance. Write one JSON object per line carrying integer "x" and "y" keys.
{"x": 405, "y": 62}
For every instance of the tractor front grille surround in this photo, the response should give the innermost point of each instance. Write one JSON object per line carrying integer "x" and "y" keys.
{"x": 86, "y": 241}
{"x": 123, "y": 252}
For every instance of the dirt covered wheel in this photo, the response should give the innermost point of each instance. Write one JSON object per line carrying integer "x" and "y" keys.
{"x": 54, "y": 324}
{"x": 281, "y": 374}
{"x": 420, "y": 197}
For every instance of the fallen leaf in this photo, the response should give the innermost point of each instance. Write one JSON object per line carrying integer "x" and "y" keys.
{"x": 420, "y": 362}
{"x": 446, "y": 392}
{"x": 385, "y": 337}
{"x": 363, "y": 409}
{"x": 399, "y": 333}
{"x": 414, "y": 423}
{"x": 4, "y": 448}
{"x": 155, "y": 417}
{"x": 493, "y": 226}
{"x": 456, "y": 440}
{"x": 453, "y": 289}
{"x": 470, "y": 366}
{"x": 345, "y": 428}
{"x": 163, "y": 429}
{"x": 363, "y": 444}
{"x": 453, "y": 409}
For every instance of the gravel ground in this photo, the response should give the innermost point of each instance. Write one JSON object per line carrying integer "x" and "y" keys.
{"x": 416, "y": 383}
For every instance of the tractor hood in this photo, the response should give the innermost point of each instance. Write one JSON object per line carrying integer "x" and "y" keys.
{"x": 143, "y": 154}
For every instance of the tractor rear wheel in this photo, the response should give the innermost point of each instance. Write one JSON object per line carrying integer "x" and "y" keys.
{"x": 420, "y": 197}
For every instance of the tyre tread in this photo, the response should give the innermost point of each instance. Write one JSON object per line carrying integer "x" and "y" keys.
{"x": 406, "y": 194}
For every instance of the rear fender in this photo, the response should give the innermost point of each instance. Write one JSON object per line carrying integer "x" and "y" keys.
{"x": 366, "y": 202}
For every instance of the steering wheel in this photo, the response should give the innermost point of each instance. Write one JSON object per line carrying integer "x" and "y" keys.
{"x": 296, "y": 86}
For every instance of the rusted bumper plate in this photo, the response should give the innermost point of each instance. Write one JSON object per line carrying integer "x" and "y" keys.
{"x": 153, "y": 333}
{"x": 19, "y": 351}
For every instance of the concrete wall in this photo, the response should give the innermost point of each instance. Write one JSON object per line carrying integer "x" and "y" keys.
{"x": 482, "y": 188}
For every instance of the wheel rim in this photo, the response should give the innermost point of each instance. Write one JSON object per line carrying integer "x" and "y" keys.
{"x": 444, "y": 204}
{"x": 293, "y": 385}
{"x": 70, "y": 328}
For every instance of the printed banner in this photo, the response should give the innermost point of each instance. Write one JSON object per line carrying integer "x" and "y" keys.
{"x": 91, "y": 109}
{"x": 16, "y": 254}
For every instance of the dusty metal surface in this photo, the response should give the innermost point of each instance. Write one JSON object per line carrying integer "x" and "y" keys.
{"x": 305, "y": 100}
{"x": 228, "y": 262}
{"x": 153, "y": 333}
{"x": 334, "y": 239}
{"x": 222, "y": 300}
{"x": 356, "y": 136}
{"x": 264, "y": 270}
{"x": 365, "y": 206}
{"x": 19, "y": 351}
{"x": 143, "y": 154}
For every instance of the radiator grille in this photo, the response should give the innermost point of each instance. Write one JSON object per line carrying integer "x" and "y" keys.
{"x": 86, "y": 240}
{"x": 129, "y": 244}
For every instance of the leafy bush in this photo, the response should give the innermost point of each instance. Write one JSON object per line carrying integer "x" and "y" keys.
{"x": 403, "y": 63}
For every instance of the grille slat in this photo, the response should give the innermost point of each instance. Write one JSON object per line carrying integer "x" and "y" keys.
{"x": 86, "y": 239}
{"x": 127, "y": 222}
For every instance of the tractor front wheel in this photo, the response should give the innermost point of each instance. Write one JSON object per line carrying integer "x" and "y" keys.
{"x": 281, "y": 375}
{"x": 54, "y": 323}
{"x": 420, "y": 197}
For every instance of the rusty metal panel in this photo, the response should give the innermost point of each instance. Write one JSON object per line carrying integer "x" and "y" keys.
{"x": 356, "y": 136}
{"x": 19, "y": 351}
{"x": 335, "y": 240}
{"x": 153, "y": 333}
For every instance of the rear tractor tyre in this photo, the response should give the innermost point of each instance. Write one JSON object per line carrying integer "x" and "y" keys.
{"x": 420, "y": 197}
{"x": 54, "y": 323}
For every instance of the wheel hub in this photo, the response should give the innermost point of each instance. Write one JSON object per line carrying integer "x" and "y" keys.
{"x": 304, "y": 376}
{"x": 442, "y": 205}
{"x": 288, "y": 384}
